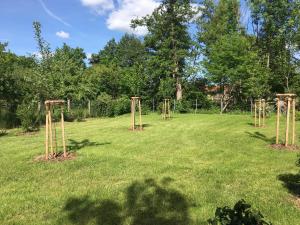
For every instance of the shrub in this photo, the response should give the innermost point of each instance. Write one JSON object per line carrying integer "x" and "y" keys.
{"x": 105, "y": 105}
{"x": 29, "y": 116}
{"x": 121, "y": 105}
{"x": 183, "y": 106}
{"x": 240, "y": 214}
{"x": 203, "y": 102}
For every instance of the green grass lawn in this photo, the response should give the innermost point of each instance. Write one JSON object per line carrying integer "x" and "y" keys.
{"x": 173, "y": 172}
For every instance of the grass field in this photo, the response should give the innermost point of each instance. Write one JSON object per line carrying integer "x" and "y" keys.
{"x": 173, "y": 172}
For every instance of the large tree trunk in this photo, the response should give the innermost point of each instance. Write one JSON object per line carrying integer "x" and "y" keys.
{"x": 178, "y": 90}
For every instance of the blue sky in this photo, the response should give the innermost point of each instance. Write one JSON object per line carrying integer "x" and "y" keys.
{"x": 88, "y": 24}
{"x": 85, "y": 23}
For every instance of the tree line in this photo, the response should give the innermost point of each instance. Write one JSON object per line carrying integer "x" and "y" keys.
{"x": 189, "y": 47}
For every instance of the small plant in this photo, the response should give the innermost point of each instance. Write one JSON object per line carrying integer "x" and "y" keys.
{"x": 241, "y": 214}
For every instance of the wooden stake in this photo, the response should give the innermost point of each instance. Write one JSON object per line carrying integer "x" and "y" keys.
{"x": 263, "y": 112}
{"x": 63, "y": 132}
{"x": 255, "y": 113}
{"x": 47, "y": 135}
{"x": 169, "y": 108}
{"x": 277, "y": 121}
{"x": 287, "y": 123}
{"x": 140, "y": 114}
{"x": 259, "y": 114}
{"x": 50, "y": 129}
{"x": 293, "y": 120}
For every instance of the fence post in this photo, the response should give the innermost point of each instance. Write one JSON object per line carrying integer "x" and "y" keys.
{"x": 196, "y": 109}
{"x": 69, "y": 105}
{"x": 174, "y": 107}
{"x": 89, "y": 107}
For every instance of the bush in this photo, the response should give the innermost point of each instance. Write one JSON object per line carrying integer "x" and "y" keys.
{"x": 240, "y": 214}
{"x": 121, "y": 105}
{"x": 105, "y": 105}
{"x": 29, "y": 116}
{"x": 203, "y": 102}
{"x": 183, "y": 106}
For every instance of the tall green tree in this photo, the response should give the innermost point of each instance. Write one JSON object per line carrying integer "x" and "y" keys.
{"x": 168, "y": 41}
{"x": 277, "y": 28}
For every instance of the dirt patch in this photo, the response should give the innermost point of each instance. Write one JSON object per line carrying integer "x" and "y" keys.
{"x": 297, "y": 202}
{"x": 59, "y": 157}
{"x": 283, "y": 147}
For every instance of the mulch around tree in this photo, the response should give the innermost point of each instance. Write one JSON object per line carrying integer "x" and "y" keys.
{"x": 283, "y": 147}
{"x": 58, "y": 157}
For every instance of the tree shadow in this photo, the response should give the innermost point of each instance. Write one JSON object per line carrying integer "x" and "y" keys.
{"x": 83, "y": 210}
{"x": 151, "y": 203}
{"x": 147, "y": 203}
{"x": 261, "y": 136}
{"x": 291, "y": 182}
{"x": 77, "y": 145}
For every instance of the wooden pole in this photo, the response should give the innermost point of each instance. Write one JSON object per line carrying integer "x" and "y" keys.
{"x": 263, "y": 112}
{"x": 293, "y": 120}
{"x": 169, "y": 108}
{"x": 47, "y": 135}
{"x": 196, "y": 109}
{"x": 89, "y": 107}
{"x": 277, "y": 120}
{"x": 163, "y": 109}
{"x": 259, "y": 113}
{"x": 69, "y": 105}
{"x": 140, "y": 114}
{"x": 287, "y": 122}
{"x": 255, "y": 113}
{"x": 50, "y": 129}
{"x": 54, "y": 138}
{"x": 132, "y": 114}
{"x": 251, "y": 101}
{"x": 63, "y": 131}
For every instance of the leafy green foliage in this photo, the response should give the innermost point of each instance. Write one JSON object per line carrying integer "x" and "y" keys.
{"x": 29, "y": 116}
{"x": 168, "y": 40}
{"x": 241, "y": 214}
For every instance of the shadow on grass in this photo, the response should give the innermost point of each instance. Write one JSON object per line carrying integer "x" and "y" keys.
{"x": 77, "y": 145}
{"x": 146, "y": 203}
{"x": 261, "y": 136}
{"x": 291, "y": 182}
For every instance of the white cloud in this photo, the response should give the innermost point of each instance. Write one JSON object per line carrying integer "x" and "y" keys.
{"x": 120, "y": 19}
{"x": 121, "y": 12}
{"x": 63, "y": 34}
{"x": 99, "y": 6}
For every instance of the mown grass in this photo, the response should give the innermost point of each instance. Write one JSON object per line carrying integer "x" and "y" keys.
{"x": 173, "y": 172}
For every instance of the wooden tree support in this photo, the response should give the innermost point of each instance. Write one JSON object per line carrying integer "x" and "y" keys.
{"x": 259, "y": 112}
{"x": 166, "y": 111}
{"x": 51, "y": 129}
{"x": 136, "y": 102}
{"x": 290, "y": 102}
